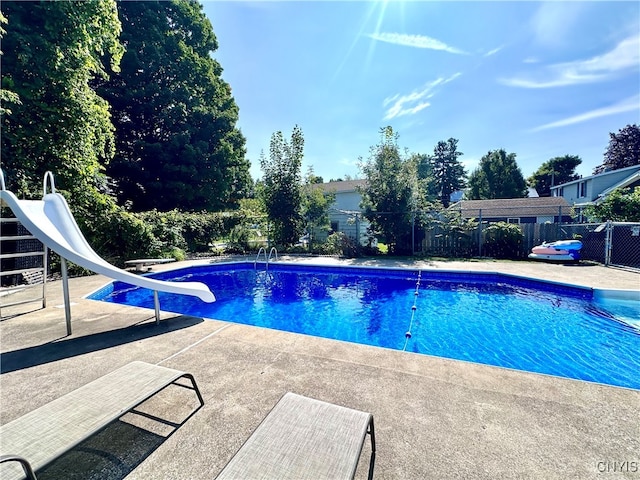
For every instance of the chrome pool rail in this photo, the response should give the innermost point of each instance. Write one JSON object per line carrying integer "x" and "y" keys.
{"x": 266, "y": 259}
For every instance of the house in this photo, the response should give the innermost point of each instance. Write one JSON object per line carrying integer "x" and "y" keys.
{"x": 516, "y": 210}
{"x": 593, "y": 189}
{"x": 345, "y": 214}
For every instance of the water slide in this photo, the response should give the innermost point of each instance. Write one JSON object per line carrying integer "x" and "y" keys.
{"x": 50, "y": 220}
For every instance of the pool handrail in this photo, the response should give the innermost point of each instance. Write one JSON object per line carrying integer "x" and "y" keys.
{"x": 262, "y": 250}
{"x": 273, "y": 250}
{"x": 266, "y": 259}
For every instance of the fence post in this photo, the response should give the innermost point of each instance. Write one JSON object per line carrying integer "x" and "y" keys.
{"x": 607, "y": 243}
{"x": 358, "y": 233}
{"x": 560, "y": 214}
{"x": 479, "y": 232}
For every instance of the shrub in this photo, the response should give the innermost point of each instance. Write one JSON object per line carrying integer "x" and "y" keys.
{"x": 503, "y": 240}
{"x": 238, "y": 241}
{"x": 339, "y": 244}
{"x": 190, "y": 231}
{"x": 115, "y": 234}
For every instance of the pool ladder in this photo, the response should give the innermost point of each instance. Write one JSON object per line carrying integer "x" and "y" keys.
{"x": 266, "y": 259}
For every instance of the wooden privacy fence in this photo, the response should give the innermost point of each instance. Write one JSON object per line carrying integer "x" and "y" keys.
{"x": 609, "y": 243}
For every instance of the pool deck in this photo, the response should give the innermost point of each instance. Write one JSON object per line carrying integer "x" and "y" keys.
{"x": 434, "y": 417}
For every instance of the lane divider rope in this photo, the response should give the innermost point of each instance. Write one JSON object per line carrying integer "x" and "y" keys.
{"x": 413, "y": 310}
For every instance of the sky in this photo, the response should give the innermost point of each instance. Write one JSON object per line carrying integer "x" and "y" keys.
{"x": 538, "y": 79}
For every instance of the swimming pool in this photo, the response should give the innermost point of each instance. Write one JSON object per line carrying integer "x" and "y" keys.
{"x": 490, "y": 318}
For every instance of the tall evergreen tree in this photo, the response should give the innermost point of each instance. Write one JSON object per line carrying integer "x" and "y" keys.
{"x": 282, "y": 185}
{"x": 51, "y": 52}
{"x": 497, "y": 176}
{"x": 447, "y": 170}
{"x": 555, "y": 171}
{"x": 177, "y": 144}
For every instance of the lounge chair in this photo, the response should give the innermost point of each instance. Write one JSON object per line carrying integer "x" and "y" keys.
{"x": 303, "y": 438}
{"x": 39, "y": 437}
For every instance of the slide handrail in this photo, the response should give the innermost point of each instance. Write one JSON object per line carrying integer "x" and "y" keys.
{"x": 48, "y": 176}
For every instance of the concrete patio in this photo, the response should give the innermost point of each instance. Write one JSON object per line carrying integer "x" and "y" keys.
{"x": 435, "y": 418}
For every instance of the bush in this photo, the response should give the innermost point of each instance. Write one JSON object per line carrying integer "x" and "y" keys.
{"x": 115, "y": 234}
{"x": 238, "y": 241}
{"x": 339, "y": 244}
{"x": 503, "y": 240}
{"x": 190, "y": 231}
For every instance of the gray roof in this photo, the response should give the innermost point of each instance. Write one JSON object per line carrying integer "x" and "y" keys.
{"x": 513, "y": 207}
{"x": 344, "y": 186}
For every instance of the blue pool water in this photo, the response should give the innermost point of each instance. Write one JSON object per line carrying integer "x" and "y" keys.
{"x": 493, "y": 319}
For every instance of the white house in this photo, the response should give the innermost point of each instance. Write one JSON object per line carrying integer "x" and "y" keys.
{"x": 345, "y": 214}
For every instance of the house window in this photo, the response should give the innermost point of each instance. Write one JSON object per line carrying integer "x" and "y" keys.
{"x": 582, "y": 189}
{"x": 513, "y": 220}
{"x": 334, "y": 226}
{"x": 561, "y": 192}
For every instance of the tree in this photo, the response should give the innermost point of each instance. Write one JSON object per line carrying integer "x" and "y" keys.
{"x": 497, "y": 176}
{"x": 555, "y": 171}
{"x": 6, "y": 96}
{"x": 52, "y": 51}
{"x": 177, "y": 144}
{"x": 428, "y": 188}
{"x": 388, "y": 197}
{"x": 623, "y": 150}
{"x": 281, "y": 188}
{"x": 447, "y": 170}
{"x": 315, "y": 204}
{"x": 621, "y": 205}
{"x": 311, "y": 178}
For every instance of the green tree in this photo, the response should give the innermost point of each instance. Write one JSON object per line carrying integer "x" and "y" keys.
{"x": 447, "y": 170}
{"x": 497, "y": 176}
{"x": 52, "y": 51}
{"x": 555, "y": 171}
{"x": 177, "y": 144}
{"x": 315, "y": 205}
{"x": 6, "y": 96}
{"x": 621, "y": 205}
{"x": 428, "y": 187}
{"x": 623, "y": 150}
{"x": 388, "y": 198}
{"x": 281, "y": 188}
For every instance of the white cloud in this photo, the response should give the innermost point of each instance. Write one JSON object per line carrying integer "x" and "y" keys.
{"x": 628, "y": 105}
{"x": 625, "y": 56}
{"x": 415, "y": 101}
{"x": 493, "y": 52}
{"x": 415, "y": 41}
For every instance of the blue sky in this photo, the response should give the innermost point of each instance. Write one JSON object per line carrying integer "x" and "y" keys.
{"x": 539, "y": 79}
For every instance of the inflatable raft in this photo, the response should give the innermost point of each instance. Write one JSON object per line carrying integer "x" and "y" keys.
{"x": 560, "y": 251}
